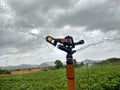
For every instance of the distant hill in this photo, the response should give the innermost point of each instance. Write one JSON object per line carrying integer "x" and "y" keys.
{"x": 110, "y": 61}
{"x": 28, "y": 66}
{"x": 89, "y": 61}
{"x": 22, "y": 66}
{"x": 47, "y": 64}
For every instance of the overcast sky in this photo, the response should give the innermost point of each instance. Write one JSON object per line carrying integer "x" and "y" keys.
{"x": 24, "y": 24}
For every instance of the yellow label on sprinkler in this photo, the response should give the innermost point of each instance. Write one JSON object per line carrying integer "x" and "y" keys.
{"x": 49, "y": 39}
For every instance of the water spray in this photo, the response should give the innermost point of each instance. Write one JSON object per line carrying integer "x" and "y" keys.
{"x": 99, "y": 42}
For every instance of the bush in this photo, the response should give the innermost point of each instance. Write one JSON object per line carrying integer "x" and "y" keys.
{"x": 4, "y": 71}
{"x": 7, "y": 72}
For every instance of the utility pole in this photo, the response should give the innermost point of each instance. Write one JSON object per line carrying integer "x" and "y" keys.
{"x": 67, "y": 44}
{"x": 6, "y": 64}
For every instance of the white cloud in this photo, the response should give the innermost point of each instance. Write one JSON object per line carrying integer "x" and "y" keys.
{"x": 35, "y": 31}
{"x": 87, "y": 4}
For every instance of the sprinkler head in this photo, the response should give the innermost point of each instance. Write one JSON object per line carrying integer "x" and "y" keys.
{"x": 66, "y": 44}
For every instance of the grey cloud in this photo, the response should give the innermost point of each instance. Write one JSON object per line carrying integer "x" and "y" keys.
{"x": 37, "y": 11}
{"x": 57, "y": 18}
{"x": 12, "y": 38}
{"x": 27, "y": 7}
{"x": 14, "y": 43}
{"x": 98, "y": 17}
{"x": 9, "y": 38}
{"x": 43, "y": 13}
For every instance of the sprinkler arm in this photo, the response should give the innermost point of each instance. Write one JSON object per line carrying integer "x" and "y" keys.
{"x": 80, "y": 42}
{"x": 54, "y": 41}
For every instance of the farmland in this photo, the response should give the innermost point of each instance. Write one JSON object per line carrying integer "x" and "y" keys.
{"x": 91, "y": 78}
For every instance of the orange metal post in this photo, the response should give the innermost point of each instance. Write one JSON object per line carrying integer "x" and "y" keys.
{"x": 70, "y": 76}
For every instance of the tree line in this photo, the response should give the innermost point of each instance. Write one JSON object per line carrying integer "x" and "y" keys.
{"x": 59, "y": 64}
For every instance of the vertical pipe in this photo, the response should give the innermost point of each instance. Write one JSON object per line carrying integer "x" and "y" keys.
{"x": 70, "y": 74}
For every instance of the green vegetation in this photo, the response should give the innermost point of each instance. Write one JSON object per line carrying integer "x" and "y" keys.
{"x": 76, "y": 65}
{"x": 4, "y": 71}
{"x": 91, "y": 78}
{"x": 43, "y": 80}
{"x": 98, "y": 78}
{"x": 58, "y": 64}
{"x": 110, "y": 61}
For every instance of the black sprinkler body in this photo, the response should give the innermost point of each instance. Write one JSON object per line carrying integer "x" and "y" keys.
{"x": 66, "y": 44}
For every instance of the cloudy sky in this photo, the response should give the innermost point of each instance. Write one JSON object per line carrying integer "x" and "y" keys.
{"x": 24, "y": 24}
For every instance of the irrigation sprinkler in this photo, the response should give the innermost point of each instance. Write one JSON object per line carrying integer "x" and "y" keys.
{"x": 66, "y": 44}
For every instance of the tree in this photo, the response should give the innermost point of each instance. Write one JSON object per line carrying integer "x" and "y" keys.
{"x": 81, "y": 64}
{"x": 58, "y": 64}
{"x": 75, "y": 62}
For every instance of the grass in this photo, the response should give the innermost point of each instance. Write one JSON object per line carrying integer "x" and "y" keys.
{"x": 94, "y": 78}
{"x": 44, "y": 80}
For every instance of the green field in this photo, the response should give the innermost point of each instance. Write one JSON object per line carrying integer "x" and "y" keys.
{"x": 96, "y": 78}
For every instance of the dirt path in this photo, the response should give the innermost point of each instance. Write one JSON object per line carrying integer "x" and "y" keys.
{"x": 21, "y": 72}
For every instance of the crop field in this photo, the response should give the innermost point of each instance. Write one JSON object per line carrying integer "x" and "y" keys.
{"x": 92, "y": 78}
